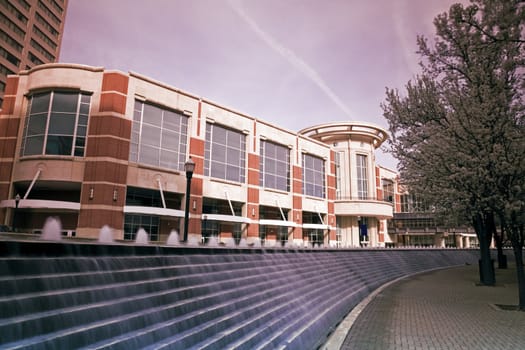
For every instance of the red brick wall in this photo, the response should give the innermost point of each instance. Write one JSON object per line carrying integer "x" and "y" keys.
{"x": 107, "y": 154}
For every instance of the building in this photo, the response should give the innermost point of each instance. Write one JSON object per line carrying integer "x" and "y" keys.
{"x": 415, "y": 225}
{"x": 98, "y": 147}
{"x": 30, "y": 34}
{"x": 360, "y": 208}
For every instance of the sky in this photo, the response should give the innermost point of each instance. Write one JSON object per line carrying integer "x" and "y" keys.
{"x": 293, "y": 63}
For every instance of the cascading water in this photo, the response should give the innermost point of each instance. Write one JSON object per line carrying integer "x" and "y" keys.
{"x": 124, "y": 297}
{"x": 52, "y": 230}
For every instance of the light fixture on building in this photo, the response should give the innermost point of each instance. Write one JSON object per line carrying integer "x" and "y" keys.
{"x": 253, "y": 211}
{"x": 115, "y": 195}
{"x": 91, "y": 193}
{"x": 15, "y": 218}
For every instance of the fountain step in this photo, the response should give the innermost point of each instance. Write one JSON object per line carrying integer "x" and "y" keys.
{"x": 83, "y": 314}
{"x": 11, "y": 267}
{"x": 99, "y": 314}
{"x": 271, "y": 301}
{"x": 305, "y": 305}
{"x": 262, "y": 302}
{"x": 30, "y": 283}
{"x": 155, "y": 297}
{"x": 60, "y": 298}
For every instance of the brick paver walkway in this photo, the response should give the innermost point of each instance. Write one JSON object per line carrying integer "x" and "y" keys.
{"x": 443, "y": 309}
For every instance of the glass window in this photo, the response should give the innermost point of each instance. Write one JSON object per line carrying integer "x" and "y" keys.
{"x": 44, "y": 38}
{"x": 35, "y": 60}
{"x": 411, "y": 203}
{"x": 220, "y": 206}
{"x": 313, "y": 176}
{"x": 40, "y": 103}
{"x": 56, "y": 124}
{"x": 49, "y": 13}
{"x": 134, "y": 222}
{"x": 14, "y": 13}
{"x": 388, "y": 190}
{"x": 158, "y": 137}
{"x": 362, "y": 176}
{"x": 4, "y": 70}
{"x": 9, "y": 57}
{"x": 14, "y": 44}
{"x": 225, "y": 153}
{"x": 42, "y": 50}
{"x": 11, "y": 25}
{"x": 315, "y": 236}
{"x": 46, "y": 25}
{"x": 274, "y": 166}
{"x": 338, "y": 175}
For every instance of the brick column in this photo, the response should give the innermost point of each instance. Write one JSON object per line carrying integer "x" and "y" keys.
{"x": 252, "y": 210}
{"x": 104, "y": 186}
{"x": 297, "y": 210}
{"x": 196, "y": 152}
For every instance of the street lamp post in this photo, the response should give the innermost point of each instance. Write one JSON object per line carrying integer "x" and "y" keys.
{"x": 189, "y": 167}
{"x": 17, "y": 201}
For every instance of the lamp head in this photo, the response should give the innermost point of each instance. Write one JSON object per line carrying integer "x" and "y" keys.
{"x": 189, "y": 166}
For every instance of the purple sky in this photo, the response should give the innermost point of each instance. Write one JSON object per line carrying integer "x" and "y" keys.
{"x": 295, "y": 63}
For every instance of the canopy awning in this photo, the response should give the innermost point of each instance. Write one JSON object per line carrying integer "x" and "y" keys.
{"x": 277, "y": 223}
{"x": 227, "y": 218}
{"x": 40, "y": 204}
{"x": 135, "y": 209}
{"x": 316, "y": 226}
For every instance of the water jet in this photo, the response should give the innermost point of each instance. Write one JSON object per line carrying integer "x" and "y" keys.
{"x": 142, "y": 237}
{"x": 52, "y": 230}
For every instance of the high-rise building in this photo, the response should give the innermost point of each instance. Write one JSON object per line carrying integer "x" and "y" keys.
{"x": 30, "y": 34}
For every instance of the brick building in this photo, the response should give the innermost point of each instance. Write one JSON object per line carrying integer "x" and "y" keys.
{"x": 98, "y": 147}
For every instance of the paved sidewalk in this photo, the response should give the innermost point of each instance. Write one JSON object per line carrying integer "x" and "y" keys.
{"x": 443, "y": 309}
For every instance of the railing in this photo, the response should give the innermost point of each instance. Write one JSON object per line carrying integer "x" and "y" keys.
{"x": 361, "y": 199}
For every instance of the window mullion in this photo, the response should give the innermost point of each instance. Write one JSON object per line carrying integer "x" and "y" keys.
{"x": 161, "y": 128}
{"x": 48, "y": 120}
{"x": 139, "y": 141}
{"x": 75, "y": 127}
{"x": 26, "y": 127}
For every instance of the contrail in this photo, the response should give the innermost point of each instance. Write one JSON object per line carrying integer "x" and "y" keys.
{"x": 291, "y": 57}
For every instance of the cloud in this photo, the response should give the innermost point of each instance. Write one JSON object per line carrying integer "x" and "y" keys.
{"x": 290, "y": 56}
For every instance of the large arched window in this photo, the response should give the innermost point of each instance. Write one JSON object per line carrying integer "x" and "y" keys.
{"x": 56, "y": 124}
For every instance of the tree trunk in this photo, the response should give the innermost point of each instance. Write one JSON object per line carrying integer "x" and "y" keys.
{"x": 517, "y": 238}
{"x": 498, "y": 240}
{"x": 486, "y": 267}
{"x": 521, "y": 278}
